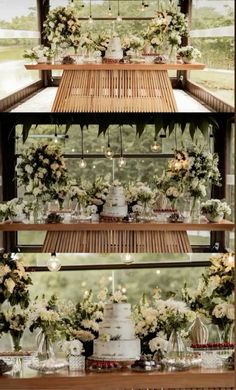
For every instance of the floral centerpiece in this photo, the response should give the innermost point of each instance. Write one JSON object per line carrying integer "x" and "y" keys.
{"x": 102, "y": 41}
{"x": 45, "y": 316}
{"x": 98, "y": 191}
{"x": 15, "y": 209}
{"x": 88, "y": 41}
{"x": 80, "y": 194}
{"x": 215, "y": 209}
{"x": 118, "y": 297}
{"x": 62, "y": 27}
{"x": 39, "y": 53}
{"x": 214, "y": 297}
{"x": 82, "y": 322}
{"x": 14, "y": 281}
{"x": 42, "y": 171}
{"x": 189, "y": 54}
{"x": 132, "y": 42}
{"x": 155, "y": 321}
{"x": 167, "y": 28}
{"x": 14, "y": 322}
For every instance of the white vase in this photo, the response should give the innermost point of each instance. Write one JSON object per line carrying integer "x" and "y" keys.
{"x": 216, "y": 218}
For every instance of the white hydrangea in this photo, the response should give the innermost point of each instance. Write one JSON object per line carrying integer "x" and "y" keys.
{"x": 9, "y": 284}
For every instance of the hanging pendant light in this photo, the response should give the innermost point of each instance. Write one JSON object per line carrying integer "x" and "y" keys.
{"x": 53, "y": 263}
{"x": 142, "y": 6}
{"x": 121, "y": 161}
{"x": 155, "y": 147}
{"x": 82, "y": 163}
{"x": 55, "y": 135}
{"x": 90, "y": 19}
{"x": 109, "y": 8}
{"x": 119, "y": 18}
{"x": 109, "y": 152}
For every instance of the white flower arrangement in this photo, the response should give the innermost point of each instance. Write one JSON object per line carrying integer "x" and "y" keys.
{"x": 118, "y": 297}
{"x": 132, "y": 42}
{"x": 14, "y": 281}
{"x": 189, "y": 52}
{"x": 88, "y": 41}
{"x": 14, "y": 322}
{"x": 42, "y": 171}
{"x": 215, "y": 207}
{"x": 45, "y": 53}
{"x": 62, "y": 26}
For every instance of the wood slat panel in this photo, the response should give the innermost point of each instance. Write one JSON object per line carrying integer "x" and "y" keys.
{"x": 116, "y": 90}
{"x": 113, "y": 241}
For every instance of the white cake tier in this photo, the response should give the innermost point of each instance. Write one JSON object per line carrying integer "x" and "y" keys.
{"x": 114, "y": 311}
{"x": 115, "y": 211}
{"x": 122, "y": 328}
{"x": 114, "y": 50}
{"x": 116, "y": 197}
{"x": 117, "y": 349}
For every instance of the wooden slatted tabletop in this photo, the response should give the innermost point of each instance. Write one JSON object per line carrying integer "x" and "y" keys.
{"x": 115, "y": 87}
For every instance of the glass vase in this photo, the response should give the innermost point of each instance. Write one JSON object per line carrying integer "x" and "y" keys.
{"x": 175, "y": 347}
{"x": 16, "y": 340}
{"x": 225, "y": 333}
{"x": 198, "y": 332}
{"x": 45, "y": 347}
{"x": 172, "y": 54}
{"x": 195, "y": 209}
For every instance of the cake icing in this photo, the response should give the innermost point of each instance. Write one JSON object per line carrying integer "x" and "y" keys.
{"x": 114, "y": 50}
{"x": 118, "y": 330}
{"x": 115, "y": 205}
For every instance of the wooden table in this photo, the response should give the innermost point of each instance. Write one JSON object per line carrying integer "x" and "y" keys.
{"x": 115, "y": 87}
{"x": 219, "y": 379}
{"x": 118, "y": 237}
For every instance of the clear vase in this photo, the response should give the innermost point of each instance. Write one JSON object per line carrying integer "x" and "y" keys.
{"x": 198, "y": 332}
{"x": 225, "y": 333}
{"x": 195, "y": 210}
{"x": 16, "y": 340}
{"x": 175, "y": 347}
{"x": 45, "y": 347}
{"x": 173, "y": 55}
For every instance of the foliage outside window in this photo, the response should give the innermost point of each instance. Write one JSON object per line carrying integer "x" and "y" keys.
{"x": 18, "y": 31}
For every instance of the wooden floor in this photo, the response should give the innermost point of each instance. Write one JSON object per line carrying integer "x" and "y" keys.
{"x": 43, "y": 102}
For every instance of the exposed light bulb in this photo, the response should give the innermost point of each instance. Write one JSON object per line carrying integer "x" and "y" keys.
{"x": 230, "y": 259}
{"x": 155, "y": 147}
{"x": 55, "y": 139}
{"x": 121, "y": 162}
{"x": 109, "y": 152}
{"x": 109, "y": 12}
{"x": 119, "y": 18}
{"x": 82, "y": 163}
{"x": 127, "y": 258}
{"x": 90, "y": 20}
{"x": 53, "y": 263}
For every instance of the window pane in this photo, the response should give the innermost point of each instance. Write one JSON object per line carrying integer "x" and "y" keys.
{"x": 213, "y": 34}
{"x": 18, "y": 31}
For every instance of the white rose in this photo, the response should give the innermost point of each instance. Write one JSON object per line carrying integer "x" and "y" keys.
{"x": 28, "y": 169}
{"x": 4, "y": 269}
{"x": 230, "y": 312}
{"x": 9, "y": 284}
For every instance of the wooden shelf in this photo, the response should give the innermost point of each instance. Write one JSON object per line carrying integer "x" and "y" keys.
{"x": 104, "y": 237}
{"x": 225, "y": 225}
{"x": 125, "y": 379}
{"x": 195, "y": 66}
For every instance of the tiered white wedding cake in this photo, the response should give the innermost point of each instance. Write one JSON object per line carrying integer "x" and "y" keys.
{"x": 114, "y": 50}
{"x": 116, "y": 341}
{"x": 115, "y": 205}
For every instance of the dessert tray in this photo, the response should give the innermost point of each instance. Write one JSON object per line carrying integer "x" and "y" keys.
{"x": 48, "y": 366}
{"x": 103, "y": 366}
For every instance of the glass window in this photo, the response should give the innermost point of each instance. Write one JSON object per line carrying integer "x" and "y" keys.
{"x": 212, "y": 32}
{"x": 18, "y": 31}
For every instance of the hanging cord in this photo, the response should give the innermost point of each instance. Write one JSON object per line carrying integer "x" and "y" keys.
{"x": 121, "y": 142}
{"x": 82, "y": 142}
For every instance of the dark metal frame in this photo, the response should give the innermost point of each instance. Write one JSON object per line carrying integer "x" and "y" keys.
{"x": 7, "y": 138}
